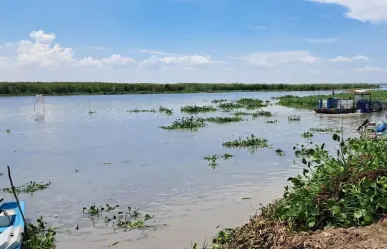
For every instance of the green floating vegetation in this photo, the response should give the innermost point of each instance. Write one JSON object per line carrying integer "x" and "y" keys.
{"x": 240, "y": 113}
{"x": 197, "y": 109}
{"x": 73, "y": 88}
{"x": 307, "y": 134}
{"x": 250, "y": 103}
{"x": 294, "y": 118}
{"x": 228, "y": 106}
{"x": 212, "y": 159}
{"x": 271, "y": 121}
{"x": 94, "y": 210}
{"x": 302, "y": 151}
{"x": 28, "y": 188}
{"x": 40, "y": 236}
{"x": 249, "y": 142}
{"x": 325, "y": 130}
{"x": 142, "y": 110}
{"x": 223, "y": 120}
{"x": 8, "y": 131}
{"x": 191, "y": 123}
{"x": 165, "y": 110}
{"x": 216, "y": 101}
{"x": 280, "y": 152}
{"x": 262, "y": 113}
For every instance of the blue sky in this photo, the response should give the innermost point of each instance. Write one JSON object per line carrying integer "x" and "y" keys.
{"x": 194, "y": 40}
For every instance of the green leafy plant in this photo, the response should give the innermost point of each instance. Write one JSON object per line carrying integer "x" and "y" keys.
{"x": 252, "y": 142}
{"x": 307, "y": 134}
{"x": 216, "y": 101}
{"x": 294, "y": 118}
{"x": 223, "y": 120}
{"x": 197, "y": 109}
{"x": 166, "y": 110}
{"x": 190, "y": 123}
{"x": 29, "y": 188}
{"x": 40, "y": 236}
{"x": 280, "y": 152}
{"x": 325, "y": 130}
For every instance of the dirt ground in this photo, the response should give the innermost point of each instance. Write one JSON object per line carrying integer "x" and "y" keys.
{"x": 261, "y": 234}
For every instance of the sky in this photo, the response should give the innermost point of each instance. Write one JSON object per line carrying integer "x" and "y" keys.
{"x": 217, "y": 41}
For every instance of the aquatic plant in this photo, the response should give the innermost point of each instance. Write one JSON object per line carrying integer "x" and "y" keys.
{"x": 8, "y": 131}
{"x": 132, "y": 219}
{"x": 190, "y": 123}
{"x": 271, "y": 121}
{"x": 262, "y": 113}
{"x": 223, "y": 120}
{"x": 280, "y": 152}
{"x": 216, "y": 101}
{"x": 250, "y": 103}
{"x": 211, "y": 159}
{"x": 166, "y": 110}
{"x": 327, "y": 130}
{"x": 230, "y": 106}
{"x": 302, "y": 151}
{"x": 250, "y": 141}
{"x": 294, "y": 118}
{"x": 222, "y": 237}
{"x": 240, "y": 113}
{"x": 142, "y": 110}
{"x": 197, "y": 109}
{"x": 28, "y": 188}
{"x": 40, "y": 236}
{"x": 227, "y": 156}
{"x": 307, "y": 134}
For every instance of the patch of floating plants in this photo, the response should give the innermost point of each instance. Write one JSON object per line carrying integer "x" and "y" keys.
{"x": 165, "y": 110}
{"x": 216, "y": 101}
{"x": 223, "y": 120}
{"x": 142, "y": 110}
{"x": 197, "y": 109}
{"x": 324, "y": 130}
{"x": 251, "y": 142}
{"x": 280, "y": 152}
{"x": 262, "y": 114}
{"x": 40, "y": 236}
{"x": 191, "y": 123}
{"x": 271, "y": 121}
{"x": 250, "y": 103}
{"x": 227, "y": 106}
{"x": 307, "y": 134}
{"x": 131, "y": 219}
{"x": 28, "y": 188}
{"x": 8, "y": 131}
{"x": 212, "y": 159}
{"x": 303, "y": 150}
{"x": 294, "y": 118}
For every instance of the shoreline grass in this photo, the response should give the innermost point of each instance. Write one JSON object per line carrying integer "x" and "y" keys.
{"x": 100, "y": 88}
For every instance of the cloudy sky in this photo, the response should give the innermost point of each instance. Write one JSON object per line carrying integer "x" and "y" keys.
{"x": 288, "y": 41}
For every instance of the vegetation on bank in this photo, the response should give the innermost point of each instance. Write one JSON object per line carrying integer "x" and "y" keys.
{"x": 73, "y": 88}
{"x": 335, "y": 190}
{"x": 310, "y": 102}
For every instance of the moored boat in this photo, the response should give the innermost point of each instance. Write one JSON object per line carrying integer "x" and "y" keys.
{"x": 11, "y": 225}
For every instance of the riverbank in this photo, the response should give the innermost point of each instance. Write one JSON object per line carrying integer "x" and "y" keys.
{"x": 337, "y": 202}
{"x": 99, "y": 88}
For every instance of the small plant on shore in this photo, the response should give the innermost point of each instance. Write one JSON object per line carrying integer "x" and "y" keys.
{"x": 251, "y": 142}
{"x": 8, "y": 131}
{"x": 142, "y": 110}
{"x": 197, "y": 109}
{"x": 40, "y": 236}
{"x": 190, "y": 123}
{"x": 166, "y": 110}
{"x": 29, "y": 188}
{"x": 294, "y": 118}
{"x": 223, "y": 120}
{"x": 307, "y": 134}
{"x": 324, "y": 130}
{"x": 280, "y": 152}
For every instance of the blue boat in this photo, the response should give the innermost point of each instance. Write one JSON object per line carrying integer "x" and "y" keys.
{"x": 11, "y": 225}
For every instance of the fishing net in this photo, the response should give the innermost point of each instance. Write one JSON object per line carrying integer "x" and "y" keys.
{"x": 39, "y": 107}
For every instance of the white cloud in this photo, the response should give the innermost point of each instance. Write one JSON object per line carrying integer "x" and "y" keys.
{"x": 272, "y": 59}
{"x": 374, "y": 11}
{"x": 185, "y": 61}
{"x": 349, "y": 59}
{"x": 257, "y": 27}
{"x": 371, "y": 69}
{"x": 321, "y": 40}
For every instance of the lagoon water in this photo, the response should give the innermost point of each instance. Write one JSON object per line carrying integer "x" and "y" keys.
{"x": 161, "y": 172}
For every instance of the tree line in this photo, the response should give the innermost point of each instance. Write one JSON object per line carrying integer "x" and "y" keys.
{"x": 73, "y": 88}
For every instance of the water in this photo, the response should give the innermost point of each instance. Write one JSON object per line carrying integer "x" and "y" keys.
{"x": 159, "y": 171}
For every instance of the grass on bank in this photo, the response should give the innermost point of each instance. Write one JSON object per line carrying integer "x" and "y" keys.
{"x": 73, "y": 88}
{"x": 339, "y": 190}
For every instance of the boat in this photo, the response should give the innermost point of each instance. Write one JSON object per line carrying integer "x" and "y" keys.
{"x": 361, "y": 102}
{"x": 11, "y": 225}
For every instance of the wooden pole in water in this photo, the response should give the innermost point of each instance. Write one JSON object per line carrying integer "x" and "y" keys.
{"x": 17, "y": 201}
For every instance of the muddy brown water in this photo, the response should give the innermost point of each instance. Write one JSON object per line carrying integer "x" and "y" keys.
{"x": 161, "y": 172}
